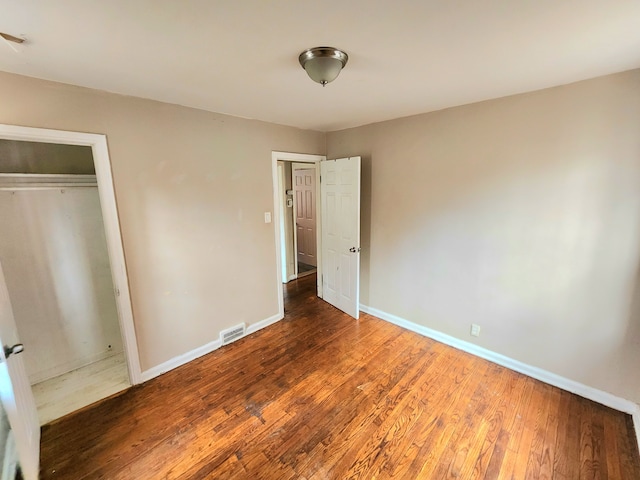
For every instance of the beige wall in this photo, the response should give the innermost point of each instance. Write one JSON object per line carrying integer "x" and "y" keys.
{"x": 34, "y": 157}
{"x": 192, "y": 188}
{"x": 521, "y": 214}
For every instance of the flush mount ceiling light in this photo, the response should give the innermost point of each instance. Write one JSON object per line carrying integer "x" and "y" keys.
{"x": 11, "y": 38}
{"x": 323, "y": 64}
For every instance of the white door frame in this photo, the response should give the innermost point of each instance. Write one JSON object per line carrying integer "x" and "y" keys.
{"x": 294, "y": 225}
{"x": 102, "y": 162}
{"x": 297, "y": 158}
{"x": 282, "y": 206}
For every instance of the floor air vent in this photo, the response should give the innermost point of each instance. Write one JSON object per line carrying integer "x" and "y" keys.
{"x": 231, "y": 334}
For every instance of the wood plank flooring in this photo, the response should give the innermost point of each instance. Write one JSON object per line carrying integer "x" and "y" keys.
{"x": 73, "y": 390}
{"x": 322, "y": 396}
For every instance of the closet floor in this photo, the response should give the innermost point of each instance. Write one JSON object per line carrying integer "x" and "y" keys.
{"x": 71, "y": 391}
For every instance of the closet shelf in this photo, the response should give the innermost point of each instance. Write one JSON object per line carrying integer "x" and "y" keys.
{"x": 23, "y": 181}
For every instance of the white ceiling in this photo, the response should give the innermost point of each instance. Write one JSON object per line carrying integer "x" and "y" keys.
{"x": 241, "y": 56}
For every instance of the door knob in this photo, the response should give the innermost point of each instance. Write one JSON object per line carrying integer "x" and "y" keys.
{"x": 17, "y": 348}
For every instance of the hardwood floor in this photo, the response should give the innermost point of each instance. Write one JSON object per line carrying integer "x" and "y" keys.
{"x": 321, "y": 396}
{"x": 73, "y": 390}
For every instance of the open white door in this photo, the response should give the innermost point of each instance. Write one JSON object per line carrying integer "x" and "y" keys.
{"x": 15, "y": 391}
{"x": 340, "y": 196}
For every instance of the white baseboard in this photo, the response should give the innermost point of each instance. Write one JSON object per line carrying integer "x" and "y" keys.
{"x": 203, "y": 350}
{"x": 68, "y": 366}
{"x": 572, "y": 386}
{"x": 180, "y": 360}
{"x": 254, "y": 327}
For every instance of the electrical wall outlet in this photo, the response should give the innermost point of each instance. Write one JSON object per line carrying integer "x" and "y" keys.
{"x": 475, "y": 330}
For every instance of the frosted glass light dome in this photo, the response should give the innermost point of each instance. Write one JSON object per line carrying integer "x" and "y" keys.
{"x": 323, "y": 64}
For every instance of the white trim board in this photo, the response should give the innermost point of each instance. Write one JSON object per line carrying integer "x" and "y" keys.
{"x": 590, "y": 393}
{"x": 106, "y": 192}
{"x": 187, "y": 357}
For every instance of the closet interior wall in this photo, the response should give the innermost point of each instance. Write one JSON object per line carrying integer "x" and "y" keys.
{"x": 54, "y": 255}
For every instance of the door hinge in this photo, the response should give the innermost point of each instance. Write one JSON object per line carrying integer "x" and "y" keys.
{"x": 117, "y": 292}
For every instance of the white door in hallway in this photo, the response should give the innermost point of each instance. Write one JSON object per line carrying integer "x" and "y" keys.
{"x": 304, "y": 187}
{"x": 340, "y": 196}
{"x": 15, "y": 391}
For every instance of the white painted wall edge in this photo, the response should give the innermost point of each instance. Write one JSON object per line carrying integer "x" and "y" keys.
{"x": 203, "y": 350}
{"x": 590, "y": 393}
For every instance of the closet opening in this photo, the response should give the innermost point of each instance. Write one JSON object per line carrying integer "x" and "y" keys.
{"x": 55, "y": 256}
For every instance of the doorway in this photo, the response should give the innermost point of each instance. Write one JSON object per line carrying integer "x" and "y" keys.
{"x": 65, "y": 203}
{"x": 289, "y": 240}
{"x": 338, "y": 227}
